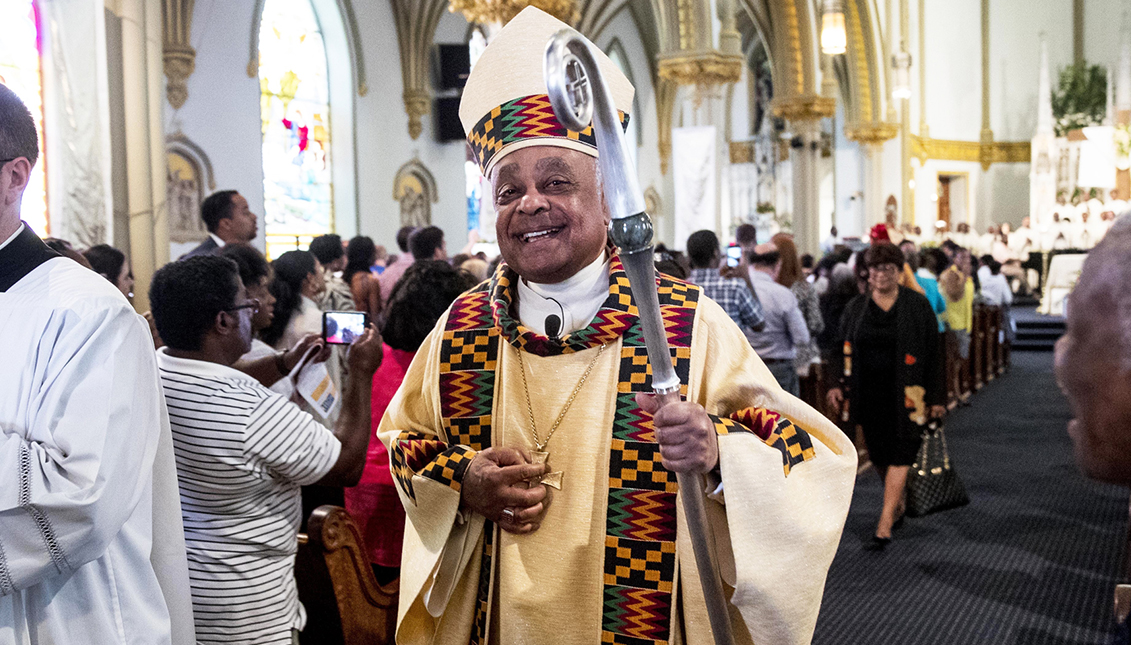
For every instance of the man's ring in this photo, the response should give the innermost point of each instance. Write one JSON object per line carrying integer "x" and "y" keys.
{"x": 508, "y": 514}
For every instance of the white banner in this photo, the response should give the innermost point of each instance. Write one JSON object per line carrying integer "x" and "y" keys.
{"x": 1064, "y": 269}
{"x": 693, "y": 168}
{"x": 1097, "y": 158}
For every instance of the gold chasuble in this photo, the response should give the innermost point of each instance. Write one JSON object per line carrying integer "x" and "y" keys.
{"x": 611, "y": 562}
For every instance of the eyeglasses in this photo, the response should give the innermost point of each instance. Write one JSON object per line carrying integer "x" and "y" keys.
{"x": 252, "y": 304}
{"x": 4, "y": 161}
{"x": 884, "y": 268}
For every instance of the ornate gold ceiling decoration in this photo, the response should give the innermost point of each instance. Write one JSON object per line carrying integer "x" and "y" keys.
{"x": 179, "y": 56}
{"x": 704, "y": 69}
{"x": 809, "y": 107}
{"x": 500, "y": 12}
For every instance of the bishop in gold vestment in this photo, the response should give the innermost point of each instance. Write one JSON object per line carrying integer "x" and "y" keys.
{"x": 547, "y": 357}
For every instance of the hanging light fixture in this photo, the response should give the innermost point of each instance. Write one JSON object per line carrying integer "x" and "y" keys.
{"x": 901, "y": 78}
{"x": 834, "y": 37}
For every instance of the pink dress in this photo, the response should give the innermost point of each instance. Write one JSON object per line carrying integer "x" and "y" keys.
{"x": 373, "y": 503}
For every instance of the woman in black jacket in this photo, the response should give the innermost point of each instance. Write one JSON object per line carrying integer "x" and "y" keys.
{"x": 889, "y": 353}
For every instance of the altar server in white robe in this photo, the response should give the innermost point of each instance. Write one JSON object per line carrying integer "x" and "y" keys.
{"x": 91, "y": 545}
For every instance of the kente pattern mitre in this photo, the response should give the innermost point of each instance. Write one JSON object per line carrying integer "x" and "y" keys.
{"x": 529, "y": 120}
{"x": 504, "y": 106}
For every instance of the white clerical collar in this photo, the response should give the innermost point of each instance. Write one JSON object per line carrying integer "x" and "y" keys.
{"x": 575, "y": 300}
{"x": 13, "y": 236}
{"x": 216, "y": 238}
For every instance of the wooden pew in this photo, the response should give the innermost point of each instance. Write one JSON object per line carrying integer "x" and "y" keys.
{"x": 953, "y": 371}
{"x": 993, "y": 337}
{"x": 344, "y": 604}
{"x": 978, "y": 349}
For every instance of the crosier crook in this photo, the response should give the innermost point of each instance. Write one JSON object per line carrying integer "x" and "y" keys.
{"x": 579, "y": 95}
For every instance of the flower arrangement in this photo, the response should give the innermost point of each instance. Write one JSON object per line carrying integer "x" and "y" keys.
{"x": 1080, "y": 98}
{"x": 1123, "y": 146}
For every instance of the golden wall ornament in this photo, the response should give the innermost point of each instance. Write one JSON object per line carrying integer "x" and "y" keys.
{"x": 416, "y": 22}
{"x": 703, "y": 69}
{"x": 804, "y": 108}
{"x": 986, "y": 148}
{"x": 871, "y": 133}
{"x": 485, "y": 12}
{"x": 666, "y": 92}
{"x": 741, "y": 152}
{"x": 414, "y": 188}
{"x": 417, "y": 104}
{"x": 178, "y": 55}
{"x": 971, "y": 151}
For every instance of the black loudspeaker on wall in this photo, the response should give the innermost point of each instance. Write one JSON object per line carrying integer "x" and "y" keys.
{"x": 448, "y": 126}
{"x": 453, "y": 66}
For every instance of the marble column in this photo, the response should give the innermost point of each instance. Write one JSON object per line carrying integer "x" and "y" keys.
{"x": 143, "y": 83}
{"x": 873, "y": 185}
{"x": 806, "y": 184}
{"x": 871, "y": 137}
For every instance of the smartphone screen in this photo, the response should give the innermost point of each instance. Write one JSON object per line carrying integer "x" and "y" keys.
{"x": 734, "y": 256}
{"x": 343, "y": 327}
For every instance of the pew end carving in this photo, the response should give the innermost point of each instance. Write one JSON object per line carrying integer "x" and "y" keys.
{"x": 343, "y": 601}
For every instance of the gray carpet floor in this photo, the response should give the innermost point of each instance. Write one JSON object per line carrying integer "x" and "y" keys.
{"x": 1032, "y": 560}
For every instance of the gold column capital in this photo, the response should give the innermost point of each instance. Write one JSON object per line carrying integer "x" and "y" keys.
{"x": 417, "y": 103}
{"x": 179, "y": 64}
{"x": 485, "y": 12}
{"x": 871, "y": 133}
{"x": 416, "y": 22}
{"x": 807, "y": 107}
{"x": 178, "y": 55}
{"x": 706, "y": 69}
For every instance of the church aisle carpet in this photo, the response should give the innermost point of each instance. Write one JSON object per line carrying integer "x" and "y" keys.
{"x": 1032, "y": 560}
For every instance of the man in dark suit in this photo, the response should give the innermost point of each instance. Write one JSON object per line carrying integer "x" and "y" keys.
{"x": 229, "y": 221}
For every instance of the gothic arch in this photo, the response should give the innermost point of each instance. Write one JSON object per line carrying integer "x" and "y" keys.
{"x": 616, "y": 46}
{"x": 322, "y": 9}
{"x": 347, "y": 79}
{"x": 414, "y": 188}
{"x": 190, "y": 180}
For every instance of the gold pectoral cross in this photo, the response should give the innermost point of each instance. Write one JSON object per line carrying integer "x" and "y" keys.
{"x": 553, "y": 480}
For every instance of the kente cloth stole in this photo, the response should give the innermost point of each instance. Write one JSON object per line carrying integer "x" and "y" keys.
{"x": 640, "y": 564}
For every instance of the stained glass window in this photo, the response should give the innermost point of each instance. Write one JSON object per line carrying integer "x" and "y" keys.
{"x": 20, "y": 50}
{"x": 295, "y": 108}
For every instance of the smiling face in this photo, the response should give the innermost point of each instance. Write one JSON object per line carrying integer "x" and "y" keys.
{"x": 551, "y": 221}
{"x": 884, "y": 278}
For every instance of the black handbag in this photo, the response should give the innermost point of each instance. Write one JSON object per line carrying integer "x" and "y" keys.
{"x": 932, "y": 483}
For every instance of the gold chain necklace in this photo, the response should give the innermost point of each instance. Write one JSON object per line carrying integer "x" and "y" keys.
{"x": 541, "y": 456}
